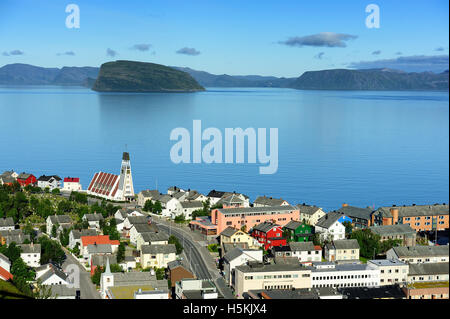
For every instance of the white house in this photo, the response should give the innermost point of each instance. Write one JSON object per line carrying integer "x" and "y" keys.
{"x": 169, "y": 204}
{"x": 151, "y": 238}
{"x": 123, "y": 213}
{"x": 5, "y": 267}
{"x": 52, "y": 276}
{"x": 93, "y": 220}
{"x": 195, "y": 289}
{"x": 75, "y": 236}
{"x": 263, "y": 201}
{"x": 330, "y": 228}
{"x": 57, "y": 220}
{"x": 391, "y": 271}
{"x": 187, "y": 208}
{"x": 6, "y": 223}
{"x": 140, "y": 229}
{"x": 236, "y": 257}
{"x": 157, "y": 255}
{"x": 31, "y": 254}
{"x": 51, "y": 182}
{"x": 306, "y": 252}
{"x": 72, "y": 184}
{"x": 342, "y": 250}
{"x": 310, "y": 214}
{"x": 129, "y": 221}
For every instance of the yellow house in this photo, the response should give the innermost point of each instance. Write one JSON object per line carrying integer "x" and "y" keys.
{"x": 157, "y": 255}
{"x": 232, "y": 235}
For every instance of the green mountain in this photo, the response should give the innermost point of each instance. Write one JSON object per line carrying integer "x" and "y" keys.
{"x": 130, "y": 76}
{"x": 373, "y": 79}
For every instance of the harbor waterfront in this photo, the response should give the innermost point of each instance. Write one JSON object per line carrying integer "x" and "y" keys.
{"x": 362, "y": 147}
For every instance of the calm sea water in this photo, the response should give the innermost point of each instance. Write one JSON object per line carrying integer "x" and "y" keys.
{"x": 362, "y": 148}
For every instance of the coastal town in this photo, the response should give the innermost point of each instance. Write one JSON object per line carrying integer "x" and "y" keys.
{"x": 61, "y": 240}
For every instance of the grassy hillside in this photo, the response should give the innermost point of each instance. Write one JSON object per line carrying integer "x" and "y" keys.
{"x": 9, "y": 291}
{"x": 130, "y": 76}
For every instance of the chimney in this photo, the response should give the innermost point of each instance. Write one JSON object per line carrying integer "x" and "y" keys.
{"x": 344, "y": 205}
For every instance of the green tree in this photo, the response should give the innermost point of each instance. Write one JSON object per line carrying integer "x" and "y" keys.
{"x": 64, "y": 237}
{"x": 178, "y": 246}
{"x": 56, "y": 191}
{"x": 348, "y": 227}
{"x": 369, "y": 243}
{"x": 51, "y": 251}
{"x": 54, "y": 231}
{"x": 157, "y": 207}
{"x": 121, "y": 253}
{"x": 148, "y": 206}
{"x": 180, "y": 218}
{"x": 20, "y": 269}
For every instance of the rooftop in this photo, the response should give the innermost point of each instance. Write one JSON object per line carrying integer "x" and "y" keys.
{"x": 421, "y": 251}
{"x": 262, "y": 210}
{"x": 391, "y": 230}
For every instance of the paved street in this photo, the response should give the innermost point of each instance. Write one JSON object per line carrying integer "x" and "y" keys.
{"x": 87, "y": 288}
{"x": 199, "y": 259}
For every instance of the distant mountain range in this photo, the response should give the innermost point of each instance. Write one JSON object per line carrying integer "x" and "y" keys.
{"x": 335, "y": 79}
{"x": 26, "y": 74}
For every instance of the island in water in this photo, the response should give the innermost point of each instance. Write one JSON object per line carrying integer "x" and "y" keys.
{"x": 131, "y": 76}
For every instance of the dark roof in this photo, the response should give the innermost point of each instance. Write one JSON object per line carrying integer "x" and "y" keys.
{"x": 6, "y": 222}
{"x": 249, "y": 210}
{"x": 329, "y": 219}
{"x": 158, "y": 249}
{"x": 416, "y": 210}
{"x": 84, "y": 232}
{"x": 268, "y": 201}
{"x": 344, "y": 244}
{"x": 421, "y": 251}
{"x": 152, "y": 237}
{"x": 24, "y": 176}
{"x": 134, "y": 220}
{"x": 307, "y": 209}
{"x": 229, "y": 246}
{"x": 229, "y": 231}
{"x": 265, "y": 226}
{"x": 293, "y": 225}
{"x": 145, "y": 228}
{"x": 301, "y": 246}
{"x": 126, "y": 156}
{"x": 60, "y": 219}
{"x": 356, "y": 212}
{"x": 93, "y": 217}
{"x": 31, "y": 248}
{"x": 216, "y": 194}
{"x": 192, "y": 204}
{"x": 393, "y": 291}
{"x": 390, "y": 230}
{"x": 428, "y": 269}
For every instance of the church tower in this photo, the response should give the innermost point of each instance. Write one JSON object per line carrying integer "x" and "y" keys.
{"x": 126, "y": 180}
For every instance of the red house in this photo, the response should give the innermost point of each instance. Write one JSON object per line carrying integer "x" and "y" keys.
{"x": 269, "y": 234}
{"x": 25, "y": 179}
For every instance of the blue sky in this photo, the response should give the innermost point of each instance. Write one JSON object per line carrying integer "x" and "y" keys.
{"x": 232, "y": 36}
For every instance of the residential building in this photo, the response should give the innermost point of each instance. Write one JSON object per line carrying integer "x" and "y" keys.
{"x": 25, "y": 179}
{"x": 128, "y": 223}
{"x": 187, "y": 208}
{"x": 174, "y": 189}
{"x": 328, "y": 274}
{"x": 297, "y": 231}
{"x": 93, "y": 220}
{"x": 428, "y": 272}
{"x": 157, "y": 255}
{"x": 151, "y": 238}
{"x": 402, "y": 232}
{"x": 269, "y": 235}
{"x": 177, "y": 272}
{"x": 254, "y": 276}
{"x": 16, "y": 235}
{"x": 100, "y": 260}
{"x": 52, "y": 276}
{"x": 8, "y": 177}
{"x": 252, "y": 216}
{"x": 233, "y": 235}
{"x": 427, "y": 290}
{"x": 419, "y": 254}
{"x": 310, "y": 214}
{"x": 193, "y": 195}
{"x": 342, "y": 250}
{"x": 361, "y": 217}
{"x": 64, "y": 292}
{"x": 31, "y": 254}
{"x": 215, "y": 196}
{"x": 392, "y": 272}
{"x": 52, "y": 182}
{"x": 263, "y": 201}
{"x": 7, "y": 223}
{"x": 5, "y": 268}
{"x": 195, "y": 289}
{"x": 125, "y": 285}
{"x": 123, "y": 213}
{"x": 96, "y": 250}
{"x": 146, "y": 195}
{"x": 232, "y": 201}
{"x": 72, "y": 184}
{"x": 138, "y": 229}
{"x": 330, "y": 226}
{"x": 57, "y": 220}
{"x": 76, "y": 234}
{"x": 419, "y": 217}
{"x": 305, "y": 252}
{"x": 237, "y": 257}
{"x": 97, "y": 241}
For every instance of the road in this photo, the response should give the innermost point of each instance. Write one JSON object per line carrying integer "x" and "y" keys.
{"x": 200, "y": 262}
{"x": 87, "y": 288}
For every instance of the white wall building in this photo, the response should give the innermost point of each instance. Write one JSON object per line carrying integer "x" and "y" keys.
{"x": 31, "y": 254}
{"x": 237, "y": 257}
{"x": 72, "y": 184}
{"x": 391, "y": 271}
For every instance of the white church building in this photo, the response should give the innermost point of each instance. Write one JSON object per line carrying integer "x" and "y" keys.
{"x": 114, "y": 187}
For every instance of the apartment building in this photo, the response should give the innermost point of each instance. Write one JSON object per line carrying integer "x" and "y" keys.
{"x": 328, "y": 274}
{"x": 252, "y": 216}
{"x": 254, "y": 276}
{"x": 419, "y": 254}
{"x": 428, "y": 272}
{"x": 402, "y": 232}
{"x": 391, "y": 271}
